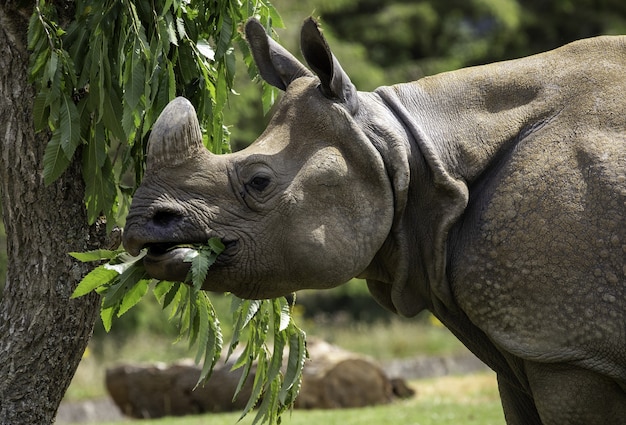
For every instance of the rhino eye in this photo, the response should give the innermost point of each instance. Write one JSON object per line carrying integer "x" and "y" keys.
{"x": 259, "y": 183}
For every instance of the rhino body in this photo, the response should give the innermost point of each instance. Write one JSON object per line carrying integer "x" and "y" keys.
{"x": 493, "y": 196}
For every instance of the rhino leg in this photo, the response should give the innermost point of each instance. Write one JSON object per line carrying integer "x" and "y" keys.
{"x": 519, "y": 408}
{"x": 568, "y": 395}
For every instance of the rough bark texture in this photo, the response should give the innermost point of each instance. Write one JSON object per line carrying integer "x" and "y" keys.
{"x": 42, "y": 332}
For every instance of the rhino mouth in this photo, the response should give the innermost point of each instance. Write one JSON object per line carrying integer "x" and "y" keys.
{"x": 162, "y": 249}
{"x": 166, "y": 260}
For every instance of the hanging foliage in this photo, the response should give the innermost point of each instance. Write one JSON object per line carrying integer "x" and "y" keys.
{"x": 122, "y": 282}
{"x": 104, "y": 79}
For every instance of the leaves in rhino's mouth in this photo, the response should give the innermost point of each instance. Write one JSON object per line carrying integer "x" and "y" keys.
{"x": 123, "y": 281}
{"x": 159, "y": 249}
{"x": 162, "y": 248}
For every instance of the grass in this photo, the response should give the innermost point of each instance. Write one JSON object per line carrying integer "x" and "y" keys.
{"x": 471, "y": 399}
{"x": 398, "y": 338}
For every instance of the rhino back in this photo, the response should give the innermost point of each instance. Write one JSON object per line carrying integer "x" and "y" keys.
{"x": 537, "y": 261}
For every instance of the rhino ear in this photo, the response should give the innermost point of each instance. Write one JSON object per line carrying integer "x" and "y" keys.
{"x": 276, "y": 65}
{"x": 335, "y": 82}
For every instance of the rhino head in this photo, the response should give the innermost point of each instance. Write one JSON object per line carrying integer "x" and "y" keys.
{"x": 308, "y": 205}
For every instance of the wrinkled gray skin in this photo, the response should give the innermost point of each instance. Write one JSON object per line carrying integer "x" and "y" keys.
{"x": 493, "y": 196}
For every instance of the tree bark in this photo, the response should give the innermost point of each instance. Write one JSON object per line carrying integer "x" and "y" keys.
{"x": 42, "y": 332}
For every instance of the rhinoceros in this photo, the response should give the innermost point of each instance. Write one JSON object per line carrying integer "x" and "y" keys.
{"x": 493, "y": 196}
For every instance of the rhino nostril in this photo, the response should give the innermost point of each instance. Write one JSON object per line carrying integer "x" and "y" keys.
{"x": 164, "y": 218}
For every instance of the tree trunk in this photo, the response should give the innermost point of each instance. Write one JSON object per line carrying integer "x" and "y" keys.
{"x": 42, "y": 332}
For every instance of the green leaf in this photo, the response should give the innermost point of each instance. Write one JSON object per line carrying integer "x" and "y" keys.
{"x": 54, "y": 160}
{"x": 284, "y": 314}
{"x": 161, "y": 289}
{"x": 201, "y": 259}
{"x": 166, "y": 7}
{"x": 131, "y": 276}
{"x": 41, "y": 111}
{"x": 253, "y": 308}
{"x": 295, "y": 364}
{"x": 132, "y": 297}
{"x": 134, "y": 76}
{"x": 100, "y": 192}
{"x": 94, "y": 279}
{"x": 180, "y": 28}
{"x": 225, "y": 36}
{"x": 35, "y": 31}
{"x": 52, "y": 67}
{"x": 258, "y": 385}
{"x": 171, "y": 295}
{"x": 210, "y": 338}
{"x": 95, "y": 255}
{"x": 205, "y": 48}
{"x": 106, "y": 315}
{"x": 38, "y": 61}
{"x": 171, "y": 31}
{"x": 112, "y": 114}
{"x": 276, "y": 19}
{"x": 70, "y": 126}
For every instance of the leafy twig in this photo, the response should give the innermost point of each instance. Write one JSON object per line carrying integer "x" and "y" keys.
{"x": 122, "y": 282}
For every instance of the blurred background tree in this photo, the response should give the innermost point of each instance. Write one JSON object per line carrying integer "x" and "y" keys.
{"x": 382, "y": 42}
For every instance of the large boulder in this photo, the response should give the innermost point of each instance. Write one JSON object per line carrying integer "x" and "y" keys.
{"x": 156, "y": 390}
{"x": 336, "y": 378}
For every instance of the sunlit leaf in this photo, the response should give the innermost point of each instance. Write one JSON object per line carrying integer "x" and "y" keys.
{"x": 94, "y": 279}
{"x": 205, "y": 48}
{"x": 106, "y": 315}
{"x": 95, "y": 255}
{"x": 133, "y": 296}
{"x": 161, "y": 289}
{"x": 127, "y": 280}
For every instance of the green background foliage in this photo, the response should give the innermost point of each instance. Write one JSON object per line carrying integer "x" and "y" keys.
{"x": 382, "y": 42}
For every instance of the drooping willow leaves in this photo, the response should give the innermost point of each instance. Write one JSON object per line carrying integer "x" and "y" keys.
{"x": 103, "y": 79}
{"x": 122, "y": 282}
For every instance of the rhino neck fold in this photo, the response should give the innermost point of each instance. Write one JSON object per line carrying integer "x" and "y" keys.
{"x": 435, "y": 201}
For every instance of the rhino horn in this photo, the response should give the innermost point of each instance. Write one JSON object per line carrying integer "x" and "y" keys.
{"x": 175, "y": 135}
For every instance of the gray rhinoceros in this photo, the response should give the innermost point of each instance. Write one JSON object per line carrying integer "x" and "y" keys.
{"x": 493, "y": 196}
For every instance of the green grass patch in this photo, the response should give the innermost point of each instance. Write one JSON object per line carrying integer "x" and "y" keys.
{"x": 398, "y": 338}
{"x": 453, "y": 400}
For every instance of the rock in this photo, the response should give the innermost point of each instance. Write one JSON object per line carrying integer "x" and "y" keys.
{"x": 153, "y": 391}
{"x": 88, "y": 412}
{"x": 336, "y": 378}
